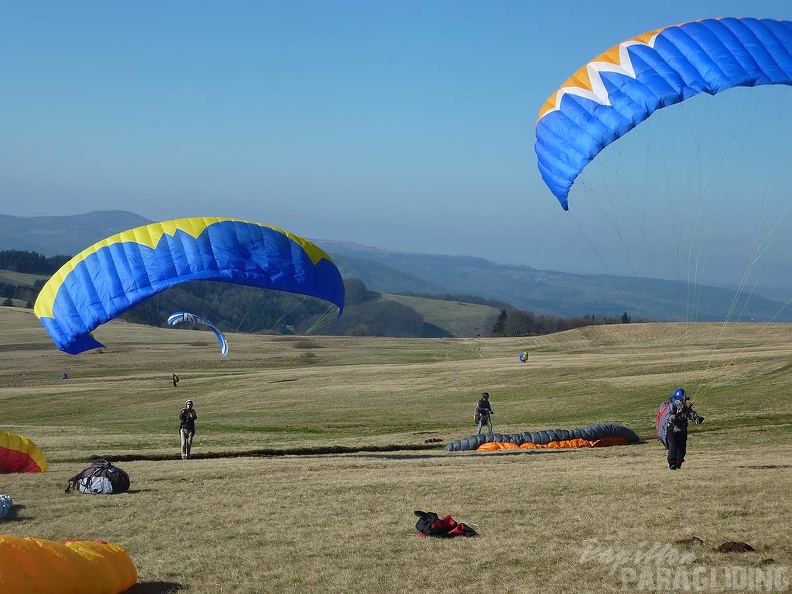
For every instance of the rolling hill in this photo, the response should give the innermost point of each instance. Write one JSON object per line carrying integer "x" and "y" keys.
{"x": 540, "y": 291}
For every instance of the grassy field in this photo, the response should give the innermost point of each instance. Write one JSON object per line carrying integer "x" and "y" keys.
{"x": 310, "y": 458}
{"x": 20, "y": 278}
{"x": 460, "y": 319}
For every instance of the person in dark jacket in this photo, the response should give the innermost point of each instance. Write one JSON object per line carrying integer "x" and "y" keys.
{"x": 680, "y": 414}
{"x": 484, "y": 413}
{"x": 175, "y": 379}
{"x": 187, "y": 418}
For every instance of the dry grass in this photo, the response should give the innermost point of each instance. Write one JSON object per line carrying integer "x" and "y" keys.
{"x": 343, "y": 522}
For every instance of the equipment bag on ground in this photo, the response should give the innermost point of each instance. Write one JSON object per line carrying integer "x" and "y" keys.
{"x": 100, "y": 477}
{"x": 430, "y": 524}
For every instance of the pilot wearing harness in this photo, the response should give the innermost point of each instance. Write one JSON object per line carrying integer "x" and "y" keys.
{"x": 484, "y": 413}
{"x": 679, "y": 413}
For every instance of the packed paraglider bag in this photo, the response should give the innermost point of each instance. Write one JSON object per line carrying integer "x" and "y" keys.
{"x": 430, "y": 524}
{"x": 101, "y": 477}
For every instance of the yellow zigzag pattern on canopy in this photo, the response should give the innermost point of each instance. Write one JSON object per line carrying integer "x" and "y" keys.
{"x": 150, "y": 235}
{"x": 587, "y": 82}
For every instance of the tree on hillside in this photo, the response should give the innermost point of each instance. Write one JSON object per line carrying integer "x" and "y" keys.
{"x": 355, "y": 292}
{"x": 516, "y": 322}
{"x": 379, "y": 318}
{"x": 500, "y": 323}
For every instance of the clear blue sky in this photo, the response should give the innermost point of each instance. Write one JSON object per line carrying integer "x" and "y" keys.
{"x": 403, "y": 125}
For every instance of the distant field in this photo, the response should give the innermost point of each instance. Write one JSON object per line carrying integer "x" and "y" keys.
{"x": 460, "y": 319}
{"x": 20, "y": 278}
{"x": 310, "y": 455}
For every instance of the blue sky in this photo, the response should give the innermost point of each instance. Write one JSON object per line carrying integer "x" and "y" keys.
{"x": 403, "y": 125}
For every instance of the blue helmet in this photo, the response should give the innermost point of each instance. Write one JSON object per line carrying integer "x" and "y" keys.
{"x": 679, "y": 394}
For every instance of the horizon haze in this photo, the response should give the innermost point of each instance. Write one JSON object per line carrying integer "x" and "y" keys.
{"x": 406, "y": 126}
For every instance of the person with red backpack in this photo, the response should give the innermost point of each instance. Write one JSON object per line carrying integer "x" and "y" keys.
{"x": 187, "y": 417}
{"x": 672, "y": 426}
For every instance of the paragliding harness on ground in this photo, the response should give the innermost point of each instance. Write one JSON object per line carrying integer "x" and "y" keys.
{"x": 99, "y": 477}
{"x": 430, "y": 524}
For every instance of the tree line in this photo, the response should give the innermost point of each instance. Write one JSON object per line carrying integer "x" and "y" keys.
{"x": 516, "y": 322}
{"x": 31, "y": 262}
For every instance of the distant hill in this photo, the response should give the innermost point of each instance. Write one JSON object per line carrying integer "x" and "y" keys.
{"x": 548, "y": 292}
{"x": 52, "y": 236}
{"x": 540, "y": 291}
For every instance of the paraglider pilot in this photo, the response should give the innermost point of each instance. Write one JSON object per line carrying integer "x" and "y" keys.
{"x": 680, "y": 413}
{"x": 484, "y": 413}
{"x": 187, "y": 417}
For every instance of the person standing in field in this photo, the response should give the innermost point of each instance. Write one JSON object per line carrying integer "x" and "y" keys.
{"x": 187, "y": 418}
{"x": 175, "y": 379}
{"x": 484, "y": 413}
{"x": 680, "y": 412}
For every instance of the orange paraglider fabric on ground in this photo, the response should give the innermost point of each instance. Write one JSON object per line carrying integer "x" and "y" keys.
{"x": 19, "y": 454}
{"x": 578, "y": 443}
{"x": 599, "y": 435}
{"x": 492, "y": 446}
{"x": 34, "y": 566}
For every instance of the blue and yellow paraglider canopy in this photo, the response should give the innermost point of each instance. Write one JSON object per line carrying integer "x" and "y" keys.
{"x": 622, "y": 87}
{"x": 113, "y": 275}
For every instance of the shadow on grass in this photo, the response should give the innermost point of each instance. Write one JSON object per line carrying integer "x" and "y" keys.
{"x": 13, "y": 513}
{"x": 318, "y": 451}
{"x": 155, "y": 588}
{"x": 766, "y": 466}
{"x": 468, "y": 453}
{"x": 263, "y": 452}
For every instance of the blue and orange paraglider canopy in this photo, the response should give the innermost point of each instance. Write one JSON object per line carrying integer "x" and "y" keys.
{"x": 19, "y": 454}
{"x": 622, "y": 87}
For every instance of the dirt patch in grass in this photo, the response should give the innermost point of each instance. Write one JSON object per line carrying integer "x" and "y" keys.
{"x": 734, "y": 546}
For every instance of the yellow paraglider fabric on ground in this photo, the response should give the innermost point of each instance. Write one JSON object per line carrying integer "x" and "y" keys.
{"x": 34, "y": 566}
{"x": 19, "y": 454}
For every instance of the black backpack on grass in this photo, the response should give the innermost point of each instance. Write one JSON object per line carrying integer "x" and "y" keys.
{"x": 100, "y": 477}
